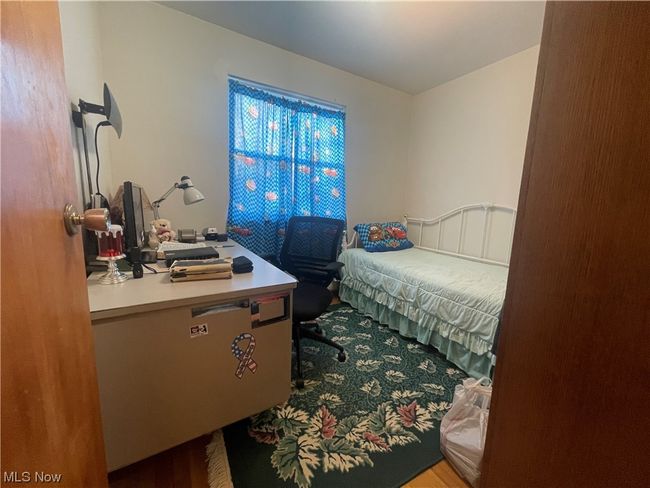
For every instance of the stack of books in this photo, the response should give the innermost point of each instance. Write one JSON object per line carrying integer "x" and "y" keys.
{"x": 201, "y": 269}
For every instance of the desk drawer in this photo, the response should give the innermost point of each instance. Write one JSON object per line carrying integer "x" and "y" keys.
{"x": 169, "y": 376}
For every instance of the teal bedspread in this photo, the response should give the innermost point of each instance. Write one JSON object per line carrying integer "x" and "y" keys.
{"x": 448, "y": 302}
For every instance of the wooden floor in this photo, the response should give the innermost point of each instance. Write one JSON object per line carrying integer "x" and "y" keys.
{"x": 442, "y": 475}
{"x": 185, "y": 466}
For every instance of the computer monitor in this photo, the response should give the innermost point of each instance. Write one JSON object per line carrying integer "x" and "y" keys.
{"x": 134, "y": 229}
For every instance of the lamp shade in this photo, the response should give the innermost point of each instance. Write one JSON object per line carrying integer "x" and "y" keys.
{"x": 112, "y": 111}
{"x": 190, "y": 193}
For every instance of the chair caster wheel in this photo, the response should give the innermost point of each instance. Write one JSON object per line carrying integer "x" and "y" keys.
{"x": 341, "y": 357}
{"x": 300, "y": 383}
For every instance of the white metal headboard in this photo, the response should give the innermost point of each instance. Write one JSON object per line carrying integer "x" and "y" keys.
{"x": 486, "y": 208}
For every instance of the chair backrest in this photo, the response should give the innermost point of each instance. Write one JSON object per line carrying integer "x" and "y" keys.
{"x": 310, "y": 244}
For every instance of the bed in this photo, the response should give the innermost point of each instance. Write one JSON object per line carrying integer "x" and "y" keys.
{"x": 447, "y": 291}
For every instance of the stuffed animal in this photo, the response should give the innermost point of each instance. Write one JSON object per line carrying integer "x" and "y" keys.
{"x": 375, "y": 233}
{"x": 161, "y": 231}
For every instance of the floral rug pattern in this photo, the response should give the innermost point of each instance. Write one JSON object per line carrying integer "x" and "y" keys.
{"x": 352, "y": 417}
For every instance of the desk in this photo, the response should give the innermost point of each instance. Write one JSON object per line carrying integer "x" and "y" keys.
{"x": 166, "y": 355}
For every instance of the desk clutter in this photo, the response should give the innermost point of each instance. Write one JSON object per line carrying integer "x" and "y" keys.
{"x": 201, "y": 269}
{"x": 209, "y": 269}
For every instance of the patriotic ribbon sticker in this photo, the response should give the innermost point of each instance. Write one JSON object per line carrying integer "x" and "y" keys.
{"x": 245, "y": 357}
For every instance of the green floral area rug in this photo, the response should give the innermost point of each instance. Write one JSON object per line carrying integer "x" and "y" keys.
{"x": 372, "y": 421}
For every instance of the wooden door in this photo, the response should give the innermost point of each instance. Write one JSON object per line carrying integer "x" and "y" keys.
{"x": 50, "y": 403}
{"x": 571, "y": 396}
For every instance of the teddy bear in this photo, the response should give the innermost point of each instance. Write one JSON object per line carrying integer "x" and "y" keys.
{"x": 161, "y": 231}
{"x": 375, "y": 233}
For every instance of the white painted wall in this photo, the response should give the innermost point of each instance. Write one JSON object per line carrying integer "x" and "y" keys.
{"x": 467, "y": 138}
{"x": 82, "y": 56}
{"x": 458, "y": 143}
{"x": 168, "y": 71}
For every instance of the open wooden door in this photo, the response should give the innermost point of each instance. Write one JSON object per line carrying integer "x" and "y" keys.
{"x": 50, "y": 403}
{"x": 571, "y": 398}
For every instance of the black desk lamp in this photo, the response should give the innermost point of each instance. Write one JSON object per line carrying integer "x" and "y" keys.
{"x": 114, "y": 119}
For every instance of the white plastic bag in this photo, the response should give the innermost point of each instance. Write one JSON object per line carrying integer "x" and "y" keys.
{"x": 463, "y": 428}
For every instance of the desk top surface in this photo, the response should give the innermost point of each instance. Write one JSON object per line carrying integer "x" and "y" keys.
{"x": 156, "y": 291}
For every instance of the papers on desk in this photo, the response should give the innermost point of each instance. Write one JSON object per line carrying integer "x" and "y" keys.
{"x": 201, "y": 269}
{"x": 157, "y": 267}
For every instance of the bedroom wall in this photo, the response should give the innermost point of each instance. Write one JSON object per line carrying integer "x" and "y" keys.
{"x": 82, "y": 55}
{"x": 468, "y": 136}
{"x": 169, "y": 72}
{"x": 422, "y": 155}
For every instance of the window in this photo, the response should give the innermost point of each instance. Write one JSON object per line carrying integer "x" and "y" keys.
{"x": 287, "y": 157}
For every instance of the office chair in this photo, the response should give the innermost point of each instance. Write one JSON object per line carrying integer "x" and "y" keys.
{"x": 311, "y": 246}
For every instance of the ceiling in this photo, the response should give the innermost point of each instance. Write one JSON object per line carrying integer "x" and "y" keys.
{"x": 410, "y": 46}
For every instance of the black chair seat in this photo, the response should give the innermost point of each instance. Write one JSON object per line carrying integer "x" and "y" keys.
{"x": 310, "y": 301}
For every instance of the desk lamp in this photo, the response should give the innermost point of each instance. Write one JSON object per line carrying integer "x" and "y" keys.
{"x": 190, "y": 194}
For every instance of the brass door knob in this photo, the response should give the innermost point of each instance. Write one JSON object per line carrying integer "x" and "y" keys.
{"x": 97, "y": 219}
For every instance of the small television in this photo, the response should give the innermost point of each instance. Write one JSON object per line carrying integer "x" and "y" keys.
{"x": 134, "y": 228}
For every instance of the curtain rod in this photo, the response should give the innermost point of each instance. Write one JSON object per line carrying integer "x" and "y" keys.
{"x": 290, "y": 94}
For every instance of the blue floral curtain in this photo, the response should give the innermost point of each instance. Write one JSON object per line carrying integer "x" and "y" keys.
{"x": 287, "y": 157}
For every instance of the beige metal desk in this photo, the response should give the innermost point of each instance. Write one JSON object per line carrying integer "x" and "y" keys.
{"x": 166, "y": 355}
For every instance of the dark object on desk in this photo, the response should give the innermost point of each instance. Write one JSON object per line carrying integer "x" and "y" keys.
{"x": 241, "y": 264}
{"x": 311, "y": 246}
{"x": 210, "y": 233}
{"x": 198, "y": 253}
{"x": 148, "y": 257}
{"x": 136, "y": 263}
{"x": 134, "y": 229}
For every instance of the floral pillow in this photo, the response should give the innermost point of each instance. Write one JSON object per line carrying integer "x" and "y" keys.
{"x": 380, "y": 237}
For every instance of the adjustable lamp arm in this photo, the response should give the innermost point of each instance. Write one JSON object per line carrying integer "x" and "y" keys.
{"x": 156, "y": 204}
{"x": 190, "y": 194}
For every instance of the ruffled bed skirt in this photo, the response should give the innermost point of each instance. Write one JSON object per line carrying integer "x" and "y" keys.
{"x": 471, "y": 354}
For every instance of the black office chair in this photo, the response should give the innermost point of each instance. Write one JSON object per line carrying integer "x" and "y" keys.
{"x": 311, "y": 246}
